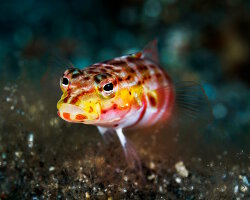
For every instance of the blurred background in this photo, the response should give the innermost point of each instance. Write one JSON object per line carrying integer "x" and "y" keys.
{"x": 43, "y": 157}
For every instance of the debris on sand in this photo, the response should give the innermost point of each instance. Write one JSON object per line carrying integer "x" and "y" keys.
{"x": 181, "y": 169}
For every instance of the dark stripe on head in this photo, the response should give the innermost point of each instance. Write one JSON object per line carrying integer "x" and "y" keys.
{"x": 131, "y": 70}
{"x": 90, "y": 71}
{"x": 86, "y": 78}
{"x": 117, "y": 70}
{"x": 76, "y": 73}
{"x": 109, "y": 67}
{"x": 65, "y": 100}
{"x": 68, "y": 71}
{"x": 142, "y": 68}
{"x": 103, "y": 70}
{"x": 118, "y": 63}
{"x": 128, "y": 77}
{"x": 103, "y": 76}
{"x": 76, "y": 98}
{"x": 98, "y": 78}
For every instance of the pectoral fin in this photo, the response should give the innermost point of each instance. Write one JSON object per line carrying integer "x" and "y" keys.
{"x": 191, "y": 102}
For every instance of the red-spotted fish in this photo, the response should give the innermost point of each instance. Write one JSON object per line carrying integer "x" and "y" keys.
{"x": 128, "y": 91}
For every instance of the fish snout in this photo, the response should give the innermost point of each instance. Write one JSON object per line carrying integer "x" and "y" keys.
{"x": 72, "y": 118}
{"x": 72, "y": 113}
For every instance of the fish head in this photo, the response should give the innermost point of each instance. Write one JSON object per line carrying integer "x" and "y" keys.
{"x": 91, "y": 96}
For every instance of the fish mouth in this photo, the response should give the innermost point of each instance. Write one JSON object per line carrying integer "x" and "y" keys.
{"x": 72, "y": 113}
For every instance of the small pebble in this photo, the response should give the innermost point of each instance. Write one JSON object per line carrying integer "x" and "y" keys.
{"x": 52, "y": 168}
{"x": 18, "y": 154}
{"x": 125, "y": 178}
{"x": 178, "y": 180}
{"x": 30, "y": 140}
{"x": 181, "y": 169}
{"x": 151, "y": 165}
{"x": 223, "y": 188}
{"x": 100, "y": 193}
{"x": 87, "y": 195}
{"x": 245, "y": 181}
{"x": 160, "y": 189}
{"x": 8, "y": 99}
{"x": 236, "y": 189}
{"x": 151, "y": 177}
{"x": 243, "y": 188}
{"x": 4, "y": 156}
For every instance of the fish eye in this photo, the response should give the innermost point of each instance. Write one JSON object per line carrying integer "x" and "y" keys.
{"x": 108, "y": 87}
{"x": 65, "y": 81}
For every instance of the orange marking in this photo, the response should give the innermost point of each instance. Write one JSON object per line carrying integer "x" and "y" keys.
{"x": 90, "y": 109}
{"x": 81, "y": 117}
{"x": 114, "y": 106}
{"x": 66, "y": 116}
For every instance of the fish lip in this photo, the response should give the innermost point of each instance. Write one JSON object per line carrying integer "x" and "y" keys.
{"x": 73, "y": 110}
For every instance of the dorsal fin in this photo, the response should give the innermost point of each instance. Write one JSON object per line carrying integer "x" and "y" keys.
{"x": 150, "y": 51}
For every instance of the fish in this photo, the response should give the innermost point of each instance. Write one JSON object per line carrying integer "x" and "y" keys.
{"x": 131, "y": 91}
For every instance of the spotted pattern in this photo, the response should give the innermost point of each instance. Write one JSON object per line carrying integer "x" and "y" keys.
{"x": 131, "y": 73}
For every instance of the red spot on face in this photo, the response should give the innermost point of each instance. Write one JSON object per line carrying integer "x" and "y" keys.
{"x": 58, "y": 113}
{"x": 81, "y": 117}
{"x": 103, "y": 111}
{"x": 66, "y": 99}
{"x": 90, "y": 109}
{"x": 114, "y": 106}
{"x": 66, "y": 116}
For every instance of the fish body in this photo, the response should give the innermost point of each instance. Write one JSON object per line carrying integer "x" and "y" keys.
{"x": 126, "y": 92}
{"x": 136, "y": 99}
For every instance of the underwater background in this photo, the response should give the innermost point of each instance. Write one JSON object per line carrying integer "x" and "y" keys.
{"x": 44, "y": 157}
